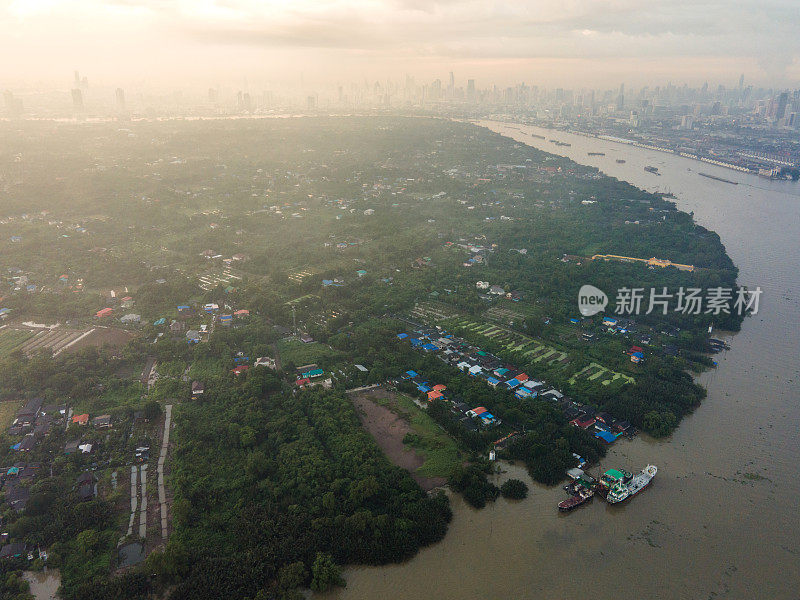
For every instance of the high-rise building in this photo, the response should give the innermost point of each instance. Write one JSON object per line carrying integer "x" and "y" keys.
{"x": 471, "y": 90}
{"x": 120, "y": 95}
{"x": 780, "y": 109}
{"x": 13, "y": 105}
{"x": 77, "y": 100}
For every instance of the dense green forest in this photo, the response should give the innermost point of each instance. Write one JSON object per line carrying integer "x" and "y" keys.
{"x": 266, "y": 483}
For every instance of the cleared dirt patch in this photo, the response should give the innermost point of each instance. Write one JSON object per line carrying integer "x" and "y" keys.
{"x": 389, "y": 429}
{"x": 102, "y": 336}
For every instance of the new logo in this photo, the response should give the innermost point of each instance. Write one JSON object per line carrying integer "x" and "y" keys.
{"x": 591, "y": 300}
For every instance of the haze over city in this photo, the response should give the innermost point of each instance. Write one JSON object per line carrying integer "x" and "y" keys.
{"x": 399, "y": 299}
{"x": 177, "y": 43}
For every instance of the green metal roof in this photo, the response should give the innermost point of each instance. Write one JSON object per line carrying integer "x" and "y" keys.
{"x": 614, "y": 474}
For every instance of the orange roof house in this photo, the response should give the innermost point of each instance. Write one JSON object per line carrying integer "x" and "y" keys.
{"x": 439, "y": 387}
{"x": 434, "y": 396}
{"x": 81, "y": 419}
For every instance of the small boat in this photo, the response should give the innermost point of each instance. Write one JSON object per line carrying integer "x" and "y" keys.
{"x": 575, "y": 501}
{"x": 653, "y": 170}
{"x": 597, "y": 153}
{"x": 621, "y": 160}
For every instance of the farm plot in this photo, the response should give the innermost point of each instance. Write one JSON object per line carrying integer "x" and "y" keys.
{"x": 213, "y": 279}
{"x": 432, "y": 312}
{"x": 12, "y": 339}
{"x": 514, "y": 341}
{"x": 52, "y": 340}
{"x": 299, "y": 276}
{"x": 597, "y": 373}
{"x": 503, "y": 315}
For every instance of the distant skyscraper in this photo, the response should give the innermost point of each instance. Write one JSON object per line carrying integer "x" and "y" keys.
{"x": 471, "y": 90}
{"x": 780, "y": 110}
{"x": 77, "y": 100}
{"x": 13, "y": 105}
{"x": 213, "y": 95}
{"x": 311, "y": 102}
{"x": 120, "y": 95}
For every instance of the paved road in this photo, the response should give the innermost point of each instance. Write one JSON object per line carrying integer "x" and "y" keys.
{"x": 162, "y": 457}
{"x": 143, "y": 512}
{"x": 361, "y": 389}
{"x": 134, "y": 501}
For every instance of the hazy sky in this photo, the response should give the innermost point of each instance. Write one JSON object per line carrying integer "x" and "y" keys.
{"x": 305, "y": 42}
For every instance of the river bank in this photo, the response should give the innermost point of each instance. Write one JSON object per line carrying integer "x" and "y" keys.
{"x": 713, "y": 523}
{"x": 44, "y": 584}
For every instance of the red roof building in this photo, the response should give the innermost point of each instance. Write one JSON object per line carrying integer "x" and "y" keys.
{"x": 240, "y": 369}
{"x": 105, "y": 312}
{"x": 302, "y": 382}
{"x": 81, "y": 419}
{"x": 439, "y": 387}
{"x": 434, "y": 396}
{"x": 584, "y": 422}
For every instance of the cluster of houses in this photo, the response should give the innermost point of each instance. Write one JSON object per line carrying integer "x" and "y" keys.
{"x": 498, "y": 374}
{"x": 622, "y": 326}
{"x": 311, "y": 375}
{"x": 33, "y": 421}
{"x": 470, "y": 417}
{"x": 496, "y": 290}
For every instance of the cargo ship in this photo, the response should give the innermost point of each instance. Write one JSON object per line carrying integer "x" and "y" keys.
{"x": 642, "y": 480}
{"x": 714, "y": 177}
{"x": 621, "y": 161}
{"x": 653, "y": 170}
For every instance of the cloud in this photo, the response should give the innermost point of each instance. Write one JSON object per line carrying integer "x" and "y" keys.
{"x": 764, "y": 31}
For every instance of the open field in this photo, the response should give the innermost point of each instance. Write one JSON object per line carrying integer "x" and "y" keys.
{"x": 408, "y": 436}
{"x": 102, "y": 336}
{"x": 300, "y": 353}
{"x": 7, "y": 411}
{"x": 12, "y": 339}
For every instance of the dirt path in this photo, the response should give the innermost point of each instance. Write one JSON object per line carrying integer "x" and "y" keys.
{"x": 389, "y": 429}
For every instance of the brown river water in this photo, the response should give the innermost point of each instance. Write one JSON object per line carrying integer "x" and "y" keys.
{"x": 722, "y": 517}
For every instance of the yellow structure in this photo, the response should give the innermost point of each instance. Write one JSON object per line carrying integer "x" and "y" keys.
{"x": 653, "y": 262}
